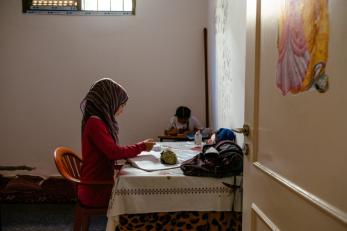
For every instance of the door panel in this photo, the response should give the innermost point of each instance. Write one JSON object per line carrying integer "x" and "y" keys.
{"x": 295, "y": 172}
{"x": 260, "y": 221}
{"x": 260, "y": 225}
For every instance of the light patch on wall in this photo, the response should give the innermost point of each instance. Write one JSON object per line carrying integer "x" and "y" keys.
{"x": 223, "y": 60}
{"x": 271, "y": 8}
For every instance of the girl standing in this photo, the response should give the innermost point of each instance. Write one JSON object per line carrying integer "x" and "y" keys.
{"x": 105, "y": 101}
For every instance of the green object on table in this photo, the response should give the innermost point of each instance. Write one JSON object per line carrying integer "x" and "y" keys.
{"x": 168, "y": 157}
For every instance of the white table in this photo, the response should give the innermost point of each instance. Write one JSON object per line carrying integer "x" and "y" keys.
{"x": 137, "y": 191}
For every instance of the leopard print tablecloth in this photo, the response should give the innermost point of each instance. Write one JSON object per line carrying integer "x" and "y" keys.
{"x": 204, "y": 221}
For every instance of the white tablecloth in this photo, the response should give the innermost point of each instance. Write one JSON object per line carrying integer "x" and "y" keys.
{"x": 138, "y": 191}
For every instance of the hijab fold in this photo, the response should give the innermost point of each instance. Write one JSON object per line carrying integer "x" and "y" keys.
{"x": 103, "y": 100}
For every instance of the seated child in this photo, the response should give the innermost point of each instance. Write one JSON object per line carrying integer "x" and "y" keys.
{"x": 183, "y": 123}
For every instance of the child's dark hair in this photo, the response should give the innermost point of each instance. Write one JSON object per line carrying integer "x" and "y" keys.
{"x": 183, "y": 112}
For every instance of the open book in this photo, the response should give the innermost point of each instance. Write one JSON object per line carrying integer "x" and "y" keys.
{"x": 150, "y": 161}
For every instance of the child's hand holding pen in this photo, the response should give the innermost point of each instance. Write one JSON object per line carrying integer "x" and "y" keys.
{"x": 172, "y": 132}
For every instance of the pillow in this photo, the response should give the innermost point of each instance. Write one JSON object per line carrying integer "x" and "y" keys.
{"x": 31, "y": 178}
{"x": 3, "y": 181}
{"x": 55, "y": 184}
{"x": 22, "y": 184}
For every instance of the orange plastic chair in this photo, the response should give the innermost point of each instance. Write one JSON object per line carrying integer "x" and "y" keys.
{"x": 69, "y": 166}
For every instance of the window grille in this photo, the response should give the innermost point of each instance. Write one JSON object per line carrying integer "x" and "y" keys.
{"x": 80, "y": 7}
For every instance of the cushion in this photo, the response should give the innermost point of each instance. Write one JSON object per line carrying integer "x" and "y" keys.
{"x": 23, "y": 184}
{"x": 3, "y": 181}
{"x": 31, "y": 178}
{"x": 54, "y": 184}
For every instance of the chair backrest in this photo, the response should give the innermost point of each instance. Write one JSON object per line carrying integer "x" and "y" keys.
{"x": 68, "y": 163}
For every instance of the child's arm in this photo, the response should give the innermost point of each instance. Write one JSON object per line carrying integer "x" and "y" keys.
{"x": 171, "y": 132}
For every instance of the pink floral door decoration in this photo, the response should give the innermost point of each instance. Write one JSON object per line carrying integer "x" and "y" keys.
{"x": 303, "y": 46}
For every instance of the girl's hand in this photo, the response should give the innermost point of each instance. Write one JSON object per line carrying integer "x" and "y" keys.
{"x": 149, "y": 143}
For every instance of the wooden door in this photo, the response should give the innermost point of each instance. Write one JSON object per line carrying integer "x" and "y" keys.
{"x": 295, "y": 172}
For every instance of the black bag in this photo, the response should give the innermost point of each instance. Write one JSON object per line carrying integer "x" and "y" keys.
{"x": 227, "y": 161}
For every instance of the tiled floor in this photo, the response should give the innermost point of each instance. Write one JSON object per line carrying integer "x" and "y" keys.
{"x": 43, "y": 217}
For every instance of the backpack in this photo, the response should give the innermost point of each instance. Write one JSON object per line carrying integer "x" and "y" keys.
{"x": 219, "y": 160}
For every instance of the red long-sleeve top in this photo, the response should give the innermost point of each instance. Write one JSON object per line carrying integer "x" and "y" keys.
{"x": 99, "y": 150}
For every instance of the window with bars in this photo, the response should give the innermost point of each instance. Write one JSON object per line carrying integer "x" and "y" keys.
{"x": 80, "y": 7}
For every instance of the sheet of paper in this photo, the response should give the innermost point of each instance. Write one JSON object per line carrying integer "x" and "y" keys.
{"x": 150, "y": 161}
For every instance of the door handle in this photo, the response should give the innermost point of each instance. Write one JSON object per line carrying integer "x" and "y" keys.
{"x": 244, "y": 130}
{"x": 245, "y": 149}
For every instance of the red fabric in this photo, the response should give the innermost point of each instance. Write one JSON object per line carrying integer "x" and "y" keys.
{"x": 99, "y": 151}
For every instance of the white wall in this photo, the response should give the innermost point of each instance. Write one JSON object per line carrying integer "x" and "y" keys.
{"x": 47, "y": 64}
{"x": 227, "y": 34}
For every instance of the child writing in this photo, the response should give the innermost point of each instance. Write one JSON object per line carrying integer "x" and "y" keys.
{"x": 183, "y": 122}
{"x": 105, "y": 101}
